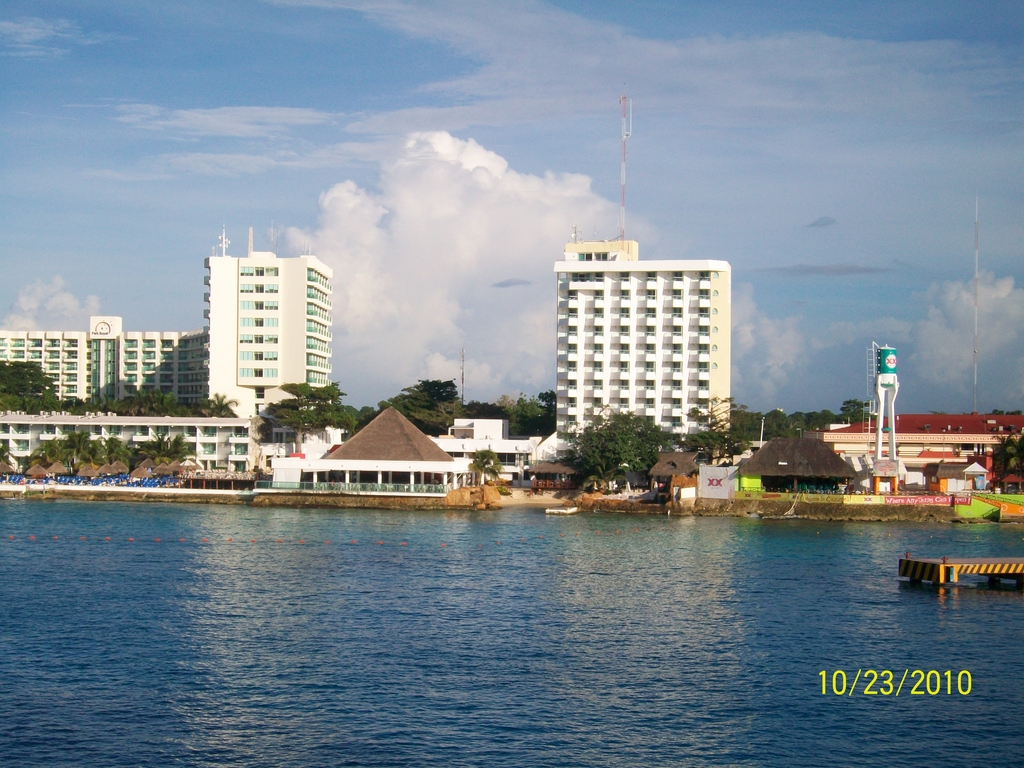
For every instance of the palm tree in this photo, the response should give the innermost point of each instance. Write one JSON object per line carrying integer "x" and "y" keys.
{"x": 47, "y": 453}
{"x": 5, "y": 455}
{"x": 1008, "y": 456}
{"x": 113, "y": 449}
{"x": 80, "y": 448}
{"x": 485, "y": 464}
{"x": 163, "y": 449}
{"x": 218, "y": 407}
{"x": 600, "y": 477}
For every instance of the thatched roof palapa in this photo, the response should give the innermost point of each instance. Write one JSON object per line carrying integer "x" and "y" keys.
{"x": 162, "y": 469}
{"x": 190, "y": 464}
{"x": 105, "y": 470}
{"x": 37, "y": 470}
{"x": 553, "y": 468}
{"x": 87, "y": 470}
{"x": 796, "y": 457}
{"x": 57, "y": 469}
{"x": 146, "y": 464}
{"x": 141, "y": 472}
{"x": 390, "y": 437}
{"x": 672, "y": 463}
{"x": 5, "y": 468}
{"x": 118, "y": 468}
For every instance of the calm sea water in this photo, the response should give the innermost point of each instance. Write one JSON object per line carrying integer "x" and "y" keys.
{"x": 589, "y": 640}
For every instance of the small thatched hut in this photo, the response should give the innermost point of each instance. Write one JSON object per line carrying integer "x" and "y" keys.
{"x": 57, "y": 469}
{"x": 145, "y": 464}
{"x": 5, "y": 468}
{"x": 88, "y": 470}
{"x": 795, "y": 464}
{"x": 162, "y": 469}
{"x": 104, "y": 470}
{"x": 119, "y": 468}
{"x": 140, "y": 473}
{"x": 37, "y": 470}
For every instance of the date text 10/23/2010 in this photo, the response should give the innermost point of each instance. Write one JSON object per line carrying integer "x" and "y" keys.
{"x": 885, "y": 682}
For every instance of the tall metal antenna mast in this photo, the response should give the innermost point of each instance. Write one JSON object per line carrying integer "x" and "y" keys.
{"x": 975, "y": 304}
{"x": 626, "y": 133}
{"x": 463, "y": 374}
{"x": 223, "y": 241}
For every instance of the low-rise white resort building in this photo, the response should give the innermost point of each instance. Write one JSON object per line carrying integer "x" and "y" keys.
{"x": 650, "y": 337}
{"x": 218, "y": 443}
{"x": 471, "y": 435}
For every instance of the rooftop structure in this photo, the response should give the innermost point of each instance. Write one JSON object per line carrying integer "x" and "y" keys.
{"x": 650, "y": 337}
{"x": 468, "y": 436}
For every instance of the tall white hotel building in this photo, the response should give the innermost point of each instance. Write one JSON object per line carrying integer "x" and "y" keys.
{"x": 269, "y": 324}
{"x": 650, "y": 337}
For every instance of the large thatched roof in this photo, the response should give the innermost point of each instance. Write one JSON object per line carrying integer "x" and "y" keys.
{"x": 390, "y": 437}
{"x": 944, "y": 471}
{"x": 796, "y": 457}
{"x": 674, "y": 463}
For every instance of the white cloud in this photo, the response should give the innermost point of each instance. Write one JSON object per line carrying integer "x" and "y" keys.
{"x": 48, "y": 306}
{"x": 415, "y": 263}
{"x": 36, "y": 37}
{"x": 235, "y": 122}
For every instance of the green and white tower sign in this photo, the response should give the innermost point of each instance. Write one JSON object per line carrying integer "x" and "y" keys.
{"x": 887, "y": 385}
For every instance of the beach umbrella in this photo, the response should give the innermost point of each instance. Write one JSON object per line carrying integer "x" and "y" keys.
{"x": 57, "y": 469}
{"x": 190, "y": 464}
{"x": 118, "y": 468}
{"x": 87, "y": 470}
{"x": 175, "y": 467}
{"x": 36, "y": 471}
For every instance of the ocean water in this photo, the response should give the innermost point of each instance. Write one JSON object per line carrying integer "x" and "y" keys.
{"x": 492, "y": 639}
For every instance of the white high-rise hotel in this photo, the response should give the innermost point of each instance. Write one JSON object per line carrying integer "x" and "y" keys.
{"x": 651, "y": 337}
{"x": 269, "y": 324}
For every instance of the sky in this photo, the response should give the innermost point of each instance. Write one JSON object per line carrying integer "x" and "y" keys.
{"x": 437, "y": 156}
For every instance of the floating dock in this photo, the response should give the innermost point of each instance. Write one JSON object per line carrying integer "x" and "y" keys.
{"x": 947, "y": 570}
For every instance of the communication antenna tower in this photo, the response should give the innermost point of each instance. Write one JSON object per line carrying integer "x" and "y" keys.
{"x": 250, "y": 242}
{"x": 626, "y": 133}
{"x": 223, "y": 241}
{"x": 975, "y": 304}
{"x": 463, "y": 398}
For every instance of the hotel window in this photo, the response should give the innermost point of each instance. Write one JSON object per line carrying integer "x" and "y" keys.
{"x": 258, "y": 322}
{"x": 257, "y": 355}
{"x": 148, "y": 343}
{"x": 272, "y": 305}
{"x": 33, "y": 355}
{"x": 270, "y": 372}
{"x": 245, "y": 373}
{"x": 271, "y": 322}
{"x": 258, "y": 305}
{"x": 36, "y": 342}
{"x": 131, "y": 378}
{"x": 245, "y": 288}
{"x": 131, "y": 344}
{"x": 270, "y": 339}
{"x": 245, "y": 305}
{"x": 246, "y": 271}
{"x": 624, "y": 312}
{"x": 149, "y": 355}
{"x": 18, "y": 354}
{"x": 259, "y": 287}
{"x": 245, "y": 338}
{"x": 270, "y": 287}
{"x": 259, "y": 271}
{"x": 17, "y": 342}
{"x": 260, "y": 393}
{"x": 245, "y": 355}
{"x": 71, "y": 390}
{"x": 272, "y": 272}
{"x": 257, "y": 373}
{"x": 246, "y": 322}
{"x": 572, "y": 348}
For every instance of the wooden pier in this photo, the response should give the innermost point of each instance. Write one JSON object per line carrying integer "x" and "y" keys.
{"x": 947, "y": 570}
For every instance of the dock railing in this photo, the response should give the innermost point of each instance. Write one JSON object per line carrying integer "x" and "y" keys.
{"x": 398, "y": 489}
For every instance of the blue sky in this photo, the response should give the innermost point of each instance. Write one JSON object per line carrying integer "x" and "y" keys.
{"x": 429, "y": 151}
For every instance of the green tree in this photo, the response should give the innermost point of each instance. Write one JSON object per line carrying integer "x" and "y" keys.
{"x": 163, "y": 449}
{"x": 79, "y": 448}
{"x": 854, "y": 411}
{"x": 432, "y": 405}
{"x": 1008, "y": 456}
{"x": 601, "y": 477}
{"x": 47, "y": 453}
{"x": 217, "y": 407}
{"x": 310, "y": 409}
{"x": 718, "y": 437}
{"x": 485, "y": 464}
{"x": 5, "y": 455}
{"x": 619, "y": 441}
{"x": 113, "y": 449}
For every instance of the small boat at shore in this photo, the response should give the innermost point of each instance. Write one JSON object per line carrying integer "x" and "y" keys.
{"x": 561, "y": 510}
